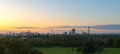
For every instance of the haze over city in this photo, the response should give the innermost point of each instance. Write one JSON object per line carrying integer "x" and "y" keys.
{"x": 103, "y": 16}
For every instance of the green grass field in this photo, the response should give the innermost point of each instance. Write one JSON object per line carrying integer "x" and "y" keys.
{"x": 110, "y": 51}
{"x": 63, "y": 50}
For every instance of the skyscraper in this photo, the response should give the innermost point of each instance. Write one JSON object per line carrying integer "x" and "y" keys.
{"x": 88, "y": 30}
{"x": 73, "y": 31}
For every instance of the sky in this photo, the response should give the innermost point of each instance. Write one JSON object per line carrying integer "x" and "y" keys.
{"x": 47, "y": 13}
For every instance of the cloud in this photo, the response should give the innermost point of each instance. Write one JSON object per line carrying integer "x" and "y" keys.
{"x": 25, "y": 27}
{"x": 29, "y": 27}
{"x": 105, "y": 27}
{"x": 71, "y": 26}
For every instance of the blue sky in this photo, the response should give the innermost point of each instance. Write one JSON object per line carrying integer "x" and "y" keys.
{"x": 77, "y": 12}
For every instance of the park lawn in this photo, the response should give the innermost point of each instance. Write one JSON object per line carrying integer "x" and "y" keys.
{"x": 65, "y": 50}
{"x": 110, "y": 51}
{"x": 57, "y": 50}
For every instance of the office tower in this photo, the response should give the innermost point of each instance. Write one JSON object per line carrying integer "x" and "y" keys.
{"x": 88, "y": 30}
{"x": 73, "y": 31}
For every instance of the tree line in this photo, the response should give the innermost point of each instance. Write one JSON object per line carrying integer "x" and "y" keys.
{"x": 16, "y": 46}
{"x": 85, "y": 44}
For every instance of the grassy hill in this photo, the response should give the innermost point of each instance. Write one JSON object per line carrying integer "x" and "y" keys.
{"x": 65, "y": 50}
{"x": 110, "y": 51}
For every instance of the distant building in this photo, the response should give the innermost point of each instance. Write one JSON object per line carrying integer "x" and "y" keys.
{"x": 28, "y": 33}
{"x": 11, "y": 34}
{"x": 88, "y": 30}
{"x": 73, "y": 31}
{"x": 70, "y": 32}
{"x": 84, "y": 33}
{"x": 65, "y": 33}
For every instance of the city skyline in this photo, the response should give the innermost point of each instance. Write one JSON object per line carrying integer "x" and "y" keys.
{"x": 49, "y": 13}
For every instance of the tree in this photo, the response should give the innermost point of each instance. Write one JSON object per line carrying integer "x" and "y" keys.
{"x": 88, "y": 46}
